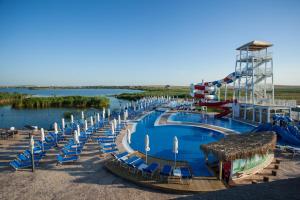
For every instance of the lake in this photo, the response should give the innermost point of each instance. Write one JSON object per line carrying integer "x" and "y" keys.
{"x": 46, "y": 117}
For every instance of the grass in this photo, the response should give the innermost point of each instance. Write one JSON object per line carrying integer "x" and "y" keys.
{"x": 281, "y": 92}
{"x": 148, "y": 91}
{"x": 59, "y": 102}
{"x": 20, "y": 101}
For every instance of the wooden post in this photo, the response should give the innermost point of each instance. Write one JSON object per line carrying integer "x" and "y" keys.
{"x": 220, "y": 170}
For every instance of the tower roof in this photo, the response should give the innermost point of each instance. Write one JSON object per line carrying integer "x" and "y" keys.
{"x": 255, "y": 45}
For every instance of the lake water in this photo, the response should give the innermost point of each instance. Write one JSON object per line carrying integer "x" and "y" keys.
{"x": 45, "y": 117}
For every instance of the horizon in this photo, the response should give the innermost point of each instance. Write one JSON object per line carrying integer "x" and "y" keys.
{"x": 140, "y": 43}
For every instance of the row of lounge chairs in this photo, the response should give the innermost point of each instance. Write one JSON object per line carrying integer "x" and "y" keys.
{"x": 137, "y": 165}
{"x": 40, "y": 149}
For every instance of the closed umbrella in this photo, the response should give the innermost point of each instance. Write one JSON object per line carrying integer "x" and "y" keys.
{"x": 85, "y": 125}
{"x": 147, "y": 147}
{"x": 175, "y": 148}
{"x": 112, "y": 127}
{"x": 98, "y": 117}
{"x": 72, "y": 119}
{"x": 76, "y": 139}
{"x": 82, "y": 115}
{"x": 115, "y": 123}
{"x": 128, "y": 136}
{"x": 63, "y": 125}
{"x": 108, "y": 112}
{"x": 55, "y": 131}
{"x": 103, "y": 114}
{"x": 92, "y": 121}
{"x": 55, "y": 128}
{"x": 119, "y": 119}
{"x": 78, "y": 129}
{"x": 42, "y": 138}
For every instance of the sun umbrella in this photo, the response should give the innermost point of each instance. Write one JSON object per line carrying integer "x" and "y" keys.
{"x": 63, "y": 125}
{"x": 85, "y": 125}
{"x": 175, "y": 148}
{"x": 128, "y": 136}
{"x": 103, "y": 114}
{"x": 78, "y": 129}
{"x": 108, "y": 112}
{"x": 55, "y": 128}
{"x": 82, "y": 115}
{"x": 147, "y": 147}
{"x": 112, "y": 127}
{"x": 92, "y": 121}
{"x": 98, "y": 117}
{"x": 42, "y": 138}
{"x": 76, "y": 139}
{"x": 115, "y": 123}
{"x": 72, "y": 119}
{"x": 119, "y": 119}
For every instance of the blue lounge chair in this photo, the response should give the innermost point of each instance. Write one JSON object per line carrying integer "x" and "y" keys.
{"x": 104, "y": 151}
{"x": 185, "y": 173}
{"x": 166, "y": 170}
{"x": 151, "y": 169}
{"x": 107, "y": 145}
{"x": 17, "y": 164}
{"x": 131, "y": 160}
{"x": 120, "y": 155}
{"x": 70, "y": 153}
{"x": 64, "y": 159}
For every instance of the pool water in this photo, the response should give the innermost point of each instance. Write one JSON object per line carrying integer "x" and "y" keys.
{"x": 206, "y": 119}
{"x": 161, "y": 142}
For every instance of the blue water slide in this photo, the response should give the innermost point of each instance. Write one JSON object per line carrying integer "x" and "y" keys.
{"x": 289, "y": 134}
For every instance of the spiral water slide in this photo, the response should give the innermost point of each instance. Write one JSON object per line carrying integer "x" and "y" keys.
{"x": 206, "y": 93}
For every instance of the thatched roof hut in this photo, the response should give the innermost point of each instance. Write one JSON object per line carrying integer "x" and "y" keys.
{"x": 241, "y": 146}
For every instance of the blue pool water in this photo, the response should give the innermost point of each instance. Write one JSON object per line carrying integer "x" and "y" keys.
{"x": 199, "y": 118}
{"x": 161, "y": 142}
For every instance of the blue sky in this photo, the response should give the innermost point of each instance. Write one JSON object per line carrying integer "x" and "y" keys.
{"x": 119, "y": 42}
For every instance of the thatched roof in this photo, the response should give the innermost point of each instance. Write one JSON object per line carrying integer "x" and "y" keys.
{"x": 240, "y": 146}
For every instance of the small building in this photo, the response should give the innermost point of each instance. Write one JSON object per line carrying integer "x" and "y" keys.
{"x": 240, "y": 155}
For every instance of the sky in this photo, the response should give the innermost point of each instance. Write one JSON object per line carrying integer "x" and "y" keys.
{"x": 141, "y": 42}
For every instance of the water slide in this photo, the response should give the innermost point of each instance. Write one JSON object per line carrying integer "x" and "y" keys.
{"x": 287, "y": 132}
{"x": 206, "y": 93}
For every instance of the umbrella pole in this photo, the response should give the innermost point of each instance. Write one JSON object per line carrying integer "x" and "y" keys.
{"x": 175, "y": 161}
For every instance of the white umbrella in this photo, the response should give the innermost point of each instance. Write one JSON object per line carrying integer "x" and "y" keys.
{"x": 112, "y": 127}
{"x": 63, "y": 123}
{"x": 98, "y": 117}
{"x": 72, "y": 119}
{"x": 55, "y": 128}
{"x": 78, "y": 129}
{"x": 147, "y": 147}
{"x": 128, "y": 136}
{"x": 76, "y": 139}
{"x": 119, "y": 119}
{"x": 42, "y": 135}
{"x": 42, "y": 138}
{"x": 82, "y": 115}
{"x": 85, "y": 125}
{"x": 115, "y": 123}
{"x": 103, "y": 115}
{"x": 92, "y": 121}
{"x": 108, "y": 112}
{"x": 175, "y": 148}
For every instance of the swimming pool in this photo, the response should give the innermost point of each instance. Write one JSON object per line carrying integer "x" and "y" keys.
{"x": 202, "y": 118}
{"x": 161, "y": 141}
